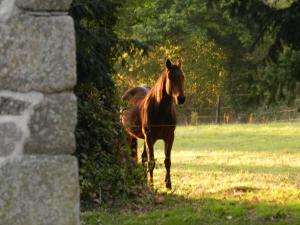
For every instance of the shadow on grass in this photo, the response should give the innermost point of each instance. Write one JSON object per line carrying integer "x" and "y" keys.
{"x": 207, "y": 210}
{"x": 173, "y": 209}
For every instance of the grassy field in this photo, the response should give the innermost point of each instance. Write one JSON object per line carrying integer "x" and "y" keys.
{"x": 231, "y": 174}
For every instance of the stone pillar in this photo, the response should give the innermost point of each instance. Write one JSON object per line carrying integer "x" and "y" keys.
{"x": 38, "y": 176}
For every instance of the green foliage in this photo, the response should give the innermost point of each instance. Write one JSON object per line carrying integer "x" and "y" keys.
{"x": 249, "y": 37}
{"x": 274, "y": 78}
{"x": 107, "y": 175}
{"x": 168, "y": 28}
{"x": 280, "y": 81}
{"x": 94, "y": 21}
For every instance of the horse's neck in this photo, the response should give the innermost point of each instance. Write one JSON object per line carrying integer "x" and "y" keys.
{"x": 166, "y": 103}
{"x": 158, "y": 109}
{"x": 162, "y": 108}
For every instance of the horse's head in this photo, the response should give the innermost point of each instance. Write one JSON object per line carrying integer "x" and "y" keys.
{"x": 174, "y": 81}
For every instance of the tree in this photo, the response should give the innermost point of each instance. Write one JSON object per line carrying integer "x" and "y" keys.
{"x": 274, "y": 26}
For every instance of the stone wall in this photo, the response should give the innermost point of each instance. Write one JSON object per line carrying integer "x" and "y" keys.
{"x": 39, "y": 177}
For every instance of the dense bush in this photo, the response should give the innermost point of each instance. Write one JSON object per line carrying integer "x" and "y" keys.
{"x": 107, "y": 175}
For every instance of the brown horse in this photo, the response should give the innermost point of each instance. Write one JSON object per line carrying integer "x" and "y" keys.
{"x": 151, "y": 116}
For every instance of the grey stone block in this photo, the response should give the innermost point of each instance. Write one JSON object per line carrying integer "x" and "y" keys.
{"x": 39, "y": 190}
{"x": 52, "y": 125}
{"x": 10, "y": 136}
{"x": 44, "y": 5}
{"x": 7, "y": 9}
{"x": 37, "y": 54}
{"x": 11, "y": 106}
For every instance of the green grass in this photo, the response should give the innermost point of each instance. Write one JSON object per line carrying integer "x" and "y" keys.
{"x": 231, "y": 174}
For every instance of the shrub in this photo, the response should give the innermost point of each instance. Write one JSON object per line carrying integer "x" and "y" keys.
{"x": 106, "y": 171}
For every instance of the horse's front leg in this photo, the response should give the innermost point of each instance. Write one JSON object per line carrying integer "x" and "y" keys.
{"x": 149, "y": 142}
{"x": 168, "y": 147}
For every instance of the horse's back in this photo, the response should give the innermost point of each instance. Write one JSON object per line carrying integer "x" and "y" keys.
{"x": 135, "y": 95}
{"x": 131, "y": 118}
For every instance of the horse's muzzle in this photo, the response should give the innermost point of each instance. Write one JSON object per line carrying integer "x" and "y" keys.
{"x": 180, "y": 99}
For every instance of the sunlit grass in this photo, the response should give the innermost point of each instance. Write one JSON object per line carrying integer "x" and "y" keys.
{"x": 233, "y": 174}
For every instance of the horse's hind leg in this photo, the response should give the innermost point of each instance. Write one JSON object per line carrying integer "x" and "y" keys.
{"x": 134, "y": 149}
{"x": 168, "y": 148}
{"x": 133, "y": 144}
{"x": 144, "y": 160}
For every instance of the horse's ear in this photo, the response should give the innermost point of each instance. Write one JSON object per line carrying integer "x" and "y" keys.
{"x": 179, "y": 63}
{"x": 168, "y": 64}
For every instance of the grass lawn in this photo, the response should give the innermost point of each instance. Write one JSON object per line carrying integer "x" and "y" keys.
{"x": 229, "y": 174}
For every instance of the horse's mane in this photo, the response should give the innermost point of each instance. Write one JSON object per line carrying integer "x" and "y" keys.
{"x": 157, "y": 91}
